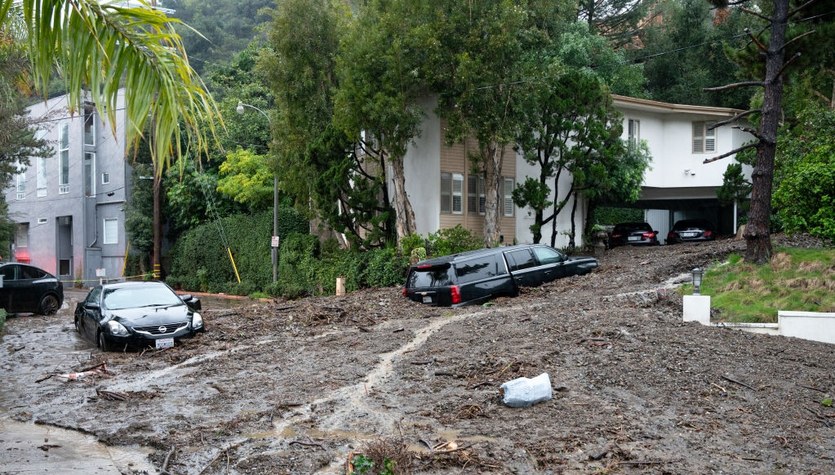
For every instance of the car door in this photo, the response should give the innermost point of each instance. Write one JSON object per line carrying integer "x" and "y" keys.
{"x": 29, "y": 292}
{"x": 7, "y": 277}
{"x": 91, "y": 314}
{"x": 523, "y": 267}
{"x": 550, "y": 263}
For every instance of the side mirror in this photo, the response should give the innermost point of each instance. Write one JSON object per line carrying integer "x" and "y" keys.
{"x": 92, "y": 306}
{"x": 191, "y": 301}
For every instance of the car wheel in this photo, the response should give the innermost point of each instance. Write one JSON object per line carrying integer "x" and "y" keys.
{"x": 49, "y": 305}
{"x": 77, "y": 326}
{"x": 103, "y": 345}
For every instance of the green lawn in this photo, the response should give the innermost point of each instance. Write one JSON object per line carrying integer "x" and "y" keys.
{"x": 796, "y": 279}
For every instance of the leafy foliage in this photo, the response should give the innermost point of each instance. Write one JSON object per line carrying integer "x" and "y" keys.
{"x": 201, "y": 261}
{"x": 804, "y": 197}
{"x": 246, "y": 178}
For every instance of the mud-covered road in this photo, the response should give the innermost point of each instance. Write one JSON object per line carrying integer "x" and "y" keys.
{"x": 298, "y": 386}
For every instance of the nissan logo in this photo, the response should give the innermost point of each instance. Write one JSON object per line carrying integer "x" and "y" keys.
{"x": 162, "y": 329}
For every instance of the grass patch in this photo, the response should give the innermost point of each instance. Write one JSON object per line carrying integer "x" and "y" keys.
{"x": 795, "y": 279}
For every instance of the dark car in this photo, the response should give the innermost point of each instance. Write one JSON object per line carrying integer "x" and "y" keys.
{"x": 477, "y": 276}
{"x": 688, "y": 230}
{"x": 28, "y": 289}
{"x": 137, "y": 314}
{"x": 634, "y": 234}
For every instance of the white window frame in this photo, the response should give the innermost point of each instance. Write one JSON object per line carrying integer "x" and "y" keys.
{"x": 508, "y": 207}
{"x": 90, "y": 173}
{"x": 90, "y": 124}
{"x": 63, "y": 158}
{"x": 111, "y": 237}
{"x": 457, "y": 193}
{"x": 40, "y": 178}
{"x": 704, "y": 138}
{"x": 105, "y": 178}
{"x": 20, "y": 185}
{"x": 634, "y": 131}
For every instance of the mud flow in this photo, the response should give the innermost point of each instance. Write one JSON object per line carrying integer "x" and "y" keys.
{"x": 306, "y": 386}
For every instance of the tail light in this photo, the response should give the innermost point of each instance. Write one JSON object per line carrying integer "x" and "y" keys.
{"x": 708, "y": 233}
{"x": 405, "y": 292}
{"x": 649, "y": 234}
{"x": 455, "y": 294}
{"x": 615, "y": 236}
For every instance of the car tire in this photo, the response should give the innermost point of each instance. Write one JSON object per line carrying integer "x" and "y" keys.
{"x": 49, "y": 305}
{"x": 102, "y": 342}
{"x": 77, "y": 326}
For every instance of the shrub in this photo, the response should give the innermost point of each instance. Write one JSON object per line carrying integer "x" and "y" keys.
{"x": 453, "y": 240}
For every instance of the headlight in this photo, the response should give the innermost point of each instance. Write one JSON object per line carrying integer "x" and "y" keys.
{"x": 116, "y": 328}
{"x": 196, "y": 321}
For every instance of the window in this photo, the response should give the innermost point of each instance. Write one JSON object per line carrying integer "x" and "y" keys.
{"x": 704, "y": 138}
{"x": 634, "y": 131}
{"x": 111, "y": 231}
{"x": 89, "y": 174}
{"x": 521, "y": 259}
{"x": 89, "y": 124}
{"x": 20, "y": 185}
{"x": 105, "y": 178}
{"x": 42, "y": 220}
{"x": 475, "y": 194}
{"x": 507, "y": 196}
{"x": 64, "y": 158}
{"x": 452, "y": 193}
{"x": 547, "y": 256}
{"x": 40, "y": 182}
{"x": 21, "y": 237}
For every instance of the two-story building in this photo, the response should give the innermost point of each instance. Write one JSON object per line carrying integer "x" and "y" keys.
{"x": 447, "y": 190}
{"x": 69, "y": 208}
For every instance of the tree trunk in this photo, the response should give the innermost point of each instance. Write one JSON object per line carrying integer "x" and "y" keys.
{"x": 571, "y": 244}
{"x": 404, "y": 213}
{"x": 492, "y": 178}
{"x": 757, "y": 232}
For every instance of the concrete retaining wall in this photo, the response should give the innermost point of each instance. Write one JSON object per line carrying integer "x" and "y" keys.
{"x": 815, "y": 326}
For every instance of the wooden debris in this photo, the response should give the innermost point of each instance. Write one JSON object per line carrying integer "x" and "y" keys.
{"x": 112, "y": 395}
{"x": 726, "y": 378}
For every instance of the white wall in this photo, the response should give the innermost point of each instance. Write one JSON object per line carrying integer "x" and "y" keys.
{"x": 423, "y": 171}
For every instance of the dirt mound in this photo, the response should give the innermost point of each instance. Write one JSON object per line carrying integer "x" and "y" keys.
{"x": 304, "y": 386}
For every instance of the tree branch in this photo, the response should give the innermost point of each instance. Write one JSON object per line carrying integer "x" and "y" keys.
{"x": 787, "y": 63}
{"x": 735, "y": 85}
{"x": 734, "y": 118}
{"x": 756, "y": 40}
{"x": 732, "y": 152}
{"x": 754, "y": 132}
{"x": 798, "y": 37}
{"x": 801, "y": 7}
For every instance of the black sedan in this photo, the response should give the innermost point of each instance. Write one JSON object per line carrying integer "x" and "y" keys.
{"x": 137, "y": 314}
{"x": 28, "y": 289}
{"x": 688, "y": 230}
{"x": 634, "y": 234}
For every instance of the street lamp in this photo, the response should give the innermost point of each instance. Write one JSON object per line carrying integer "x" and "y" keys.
{"x": 697, "y": 280}
{"x": 274, "y": 242}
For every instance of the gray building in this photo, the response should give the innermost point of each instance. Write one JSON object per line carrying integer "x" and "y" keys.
{"x": 69, "y": 208}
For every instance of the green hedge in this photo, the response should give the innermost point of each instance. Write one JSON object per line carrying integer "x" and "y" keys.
{"x": 201, "y": 262}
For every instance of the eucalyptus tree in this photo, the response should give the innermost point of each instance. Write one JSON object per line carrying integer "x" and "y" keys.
{"x": 376, "y": 103}
{"x": 479, "y": 71}
{"x": 617, "y": 20}
{"x": 101, "y": 47}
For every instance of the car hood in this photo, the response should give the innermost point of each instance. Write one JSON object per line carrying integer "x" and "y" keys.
{"x": 147, "y": 316}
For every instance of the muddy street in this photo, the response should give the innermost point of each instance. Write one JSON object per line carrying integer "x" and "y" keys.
{"x": 298, "y": 386}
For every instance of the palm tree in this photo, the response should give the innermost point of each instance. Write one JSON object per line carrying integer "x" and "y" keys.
{"x": 100, "y": 47}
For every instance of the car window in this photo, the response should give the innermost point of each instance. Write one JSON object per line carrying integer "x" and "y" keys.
{"x": 7, "y": 272}
{"x": 144, "y": 296}
{"x": 432, "y": 277}
{"x": 93, "y": 296}
{"x": 31, "y": 273}
{"x": 546, "y": 255}
{"x": 520, "y": 259}
{"x": 477, "y": 269}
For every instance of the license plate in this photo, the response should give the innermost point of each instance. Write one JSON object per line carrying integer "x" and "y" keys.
{"x": 165, "y": 343}
{"x": 427, "y": 299}
{"x": 634, "y": 238}
{"x": 688, "y": 234}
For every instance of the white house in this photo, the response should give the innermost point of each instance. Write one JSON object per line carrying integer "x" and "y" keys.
{"x": 445, "y": 192}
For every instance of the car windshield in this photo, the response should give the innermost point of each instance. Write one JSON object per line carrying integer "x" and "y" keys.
{"x": 140, "y": 296}
{"x": 629, "y": 227}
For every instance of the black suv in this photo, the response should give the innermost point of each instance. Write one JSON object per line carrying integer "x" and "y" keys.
{"x": 476, "y": 276}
